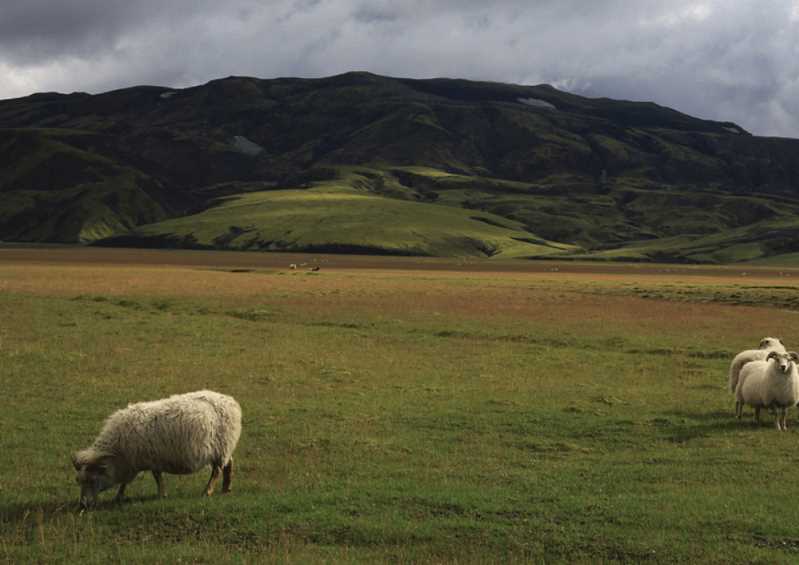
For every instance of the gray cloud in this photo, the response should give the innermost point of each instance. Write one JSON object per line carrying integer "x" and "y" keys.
{"x": 720, "y": 59}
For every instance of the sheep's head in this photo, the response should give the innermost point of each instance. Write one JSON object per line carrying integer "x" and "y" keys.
{"x": 784, "y": 361}
{"x": 772, "y": 343}
{"x": 95, "y": 473}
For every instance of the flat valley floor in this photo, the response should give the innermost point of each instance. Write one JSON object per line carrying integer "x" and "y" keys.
{"x": 400, "y": 409}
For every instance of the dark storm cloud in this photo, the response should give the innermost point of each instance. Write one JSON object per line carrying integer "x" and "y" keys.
{"x": 34, "y": 29}
{"x": 720, "y": 59}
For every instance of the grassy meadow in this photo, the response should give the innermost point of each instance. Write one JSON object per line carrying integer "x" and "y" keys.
{"x": 400, "y": 409}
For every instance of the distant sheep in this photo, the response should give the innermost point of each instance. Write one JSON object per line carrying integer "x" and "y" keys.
{"x": 770, "y": 383}
{"x": 180, "y": 435}
{"x": 767, "y": 345}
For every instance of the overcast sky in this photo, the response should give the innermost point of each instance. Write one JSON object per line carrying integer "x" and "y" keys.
{"x": 731, "y": 60}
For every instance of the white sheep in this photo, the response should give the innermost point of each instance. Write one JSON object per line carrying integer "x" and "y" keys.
{"x": 180, "y": 435}
{"x": 770, "y": 383}
{"x": 767, "y": 345}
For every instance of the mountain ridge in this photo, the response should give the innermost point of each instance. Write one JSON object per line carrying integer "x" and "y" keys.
{"x": 593, "y": 174}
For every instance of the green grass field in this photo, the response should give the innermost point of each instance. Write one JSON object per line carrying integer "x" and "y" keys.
{"x": 400, "y": 415}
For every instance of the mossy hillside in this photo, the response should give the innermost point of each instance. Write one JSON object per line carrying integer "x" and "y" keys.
{"x": 55, "y": 191}
{"x": 628, "y": 218}
{"x": 334, "y": 216}
{"x": 44, "y": 159}
{"x": 592, "y": 173}
{"x": 85, "y": 213}
{"x": 787, "y": 259}
{"x": 754, "y": 243}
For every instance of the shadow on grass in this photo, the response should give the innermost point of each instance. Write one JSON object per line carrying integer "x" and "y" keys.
{"x": 681, "y": 426}
{"x": 22, "y": 512}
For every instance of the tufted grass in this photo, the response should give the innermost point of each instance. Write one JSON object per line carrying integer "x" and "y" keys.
{"x": 397, "y": 415}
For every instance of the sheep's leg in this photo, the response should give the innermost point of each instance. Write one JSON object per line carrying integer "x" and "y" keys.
{"x": 160, "y": 482}
{"x": 120, "y": 497}
{"x": 757, "y": 414}
{"x": 215, "y": 471}
{"x": 739, "y": 409}
{"x": 227, "y": 476}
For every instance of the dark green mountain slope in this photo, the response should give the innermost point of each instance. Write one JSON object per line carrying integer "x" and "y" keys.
{"x": 54, "y": 190}
{"x": 576, "y": 175}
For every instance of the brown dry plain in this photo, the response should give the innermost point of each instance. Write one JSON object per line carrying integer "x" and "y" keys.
{"x": 471, "y": 341}
{"x": 20, "y": 253}
{"x": 472, "y": 289}
{"x": 575, "y": 297}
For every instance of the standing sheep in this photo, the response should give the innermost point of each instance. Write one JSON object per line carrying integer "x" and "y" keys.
{"x": 180, "y": 435}
{"x": 767, "y": 345}
{"x": 771, "y": 383}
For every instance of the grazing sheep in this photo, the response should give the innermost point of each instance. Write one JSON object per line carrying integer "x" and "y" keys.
{"x": 180, "y": 435}
{"x": 771, "y": 383}
{"x": 767, "y": 345}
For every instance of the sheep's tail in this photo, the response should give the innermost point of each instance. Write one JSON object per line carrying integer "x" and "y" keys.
{"x": 735, "y": 372}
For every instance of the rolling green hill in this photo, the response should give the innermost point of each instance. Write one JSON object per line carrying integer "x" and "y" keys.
{"x": 334, "y": 217}
{"x": 364, "y": 163}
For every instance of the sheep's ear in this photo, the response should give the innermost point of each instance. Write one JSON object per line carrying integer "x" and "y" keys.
{"x": 763, "y": 343}
{"x": 794, "y": 356}
{"x": 94, "y": 461}
{"x": 772, "y": 355}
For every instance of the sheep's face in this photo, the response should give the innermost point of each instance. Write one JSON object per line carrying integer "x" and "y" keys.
{"x": 770, "y": 343}
{"x": 93, "y": 477}
{"x": 784, "y": 361}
